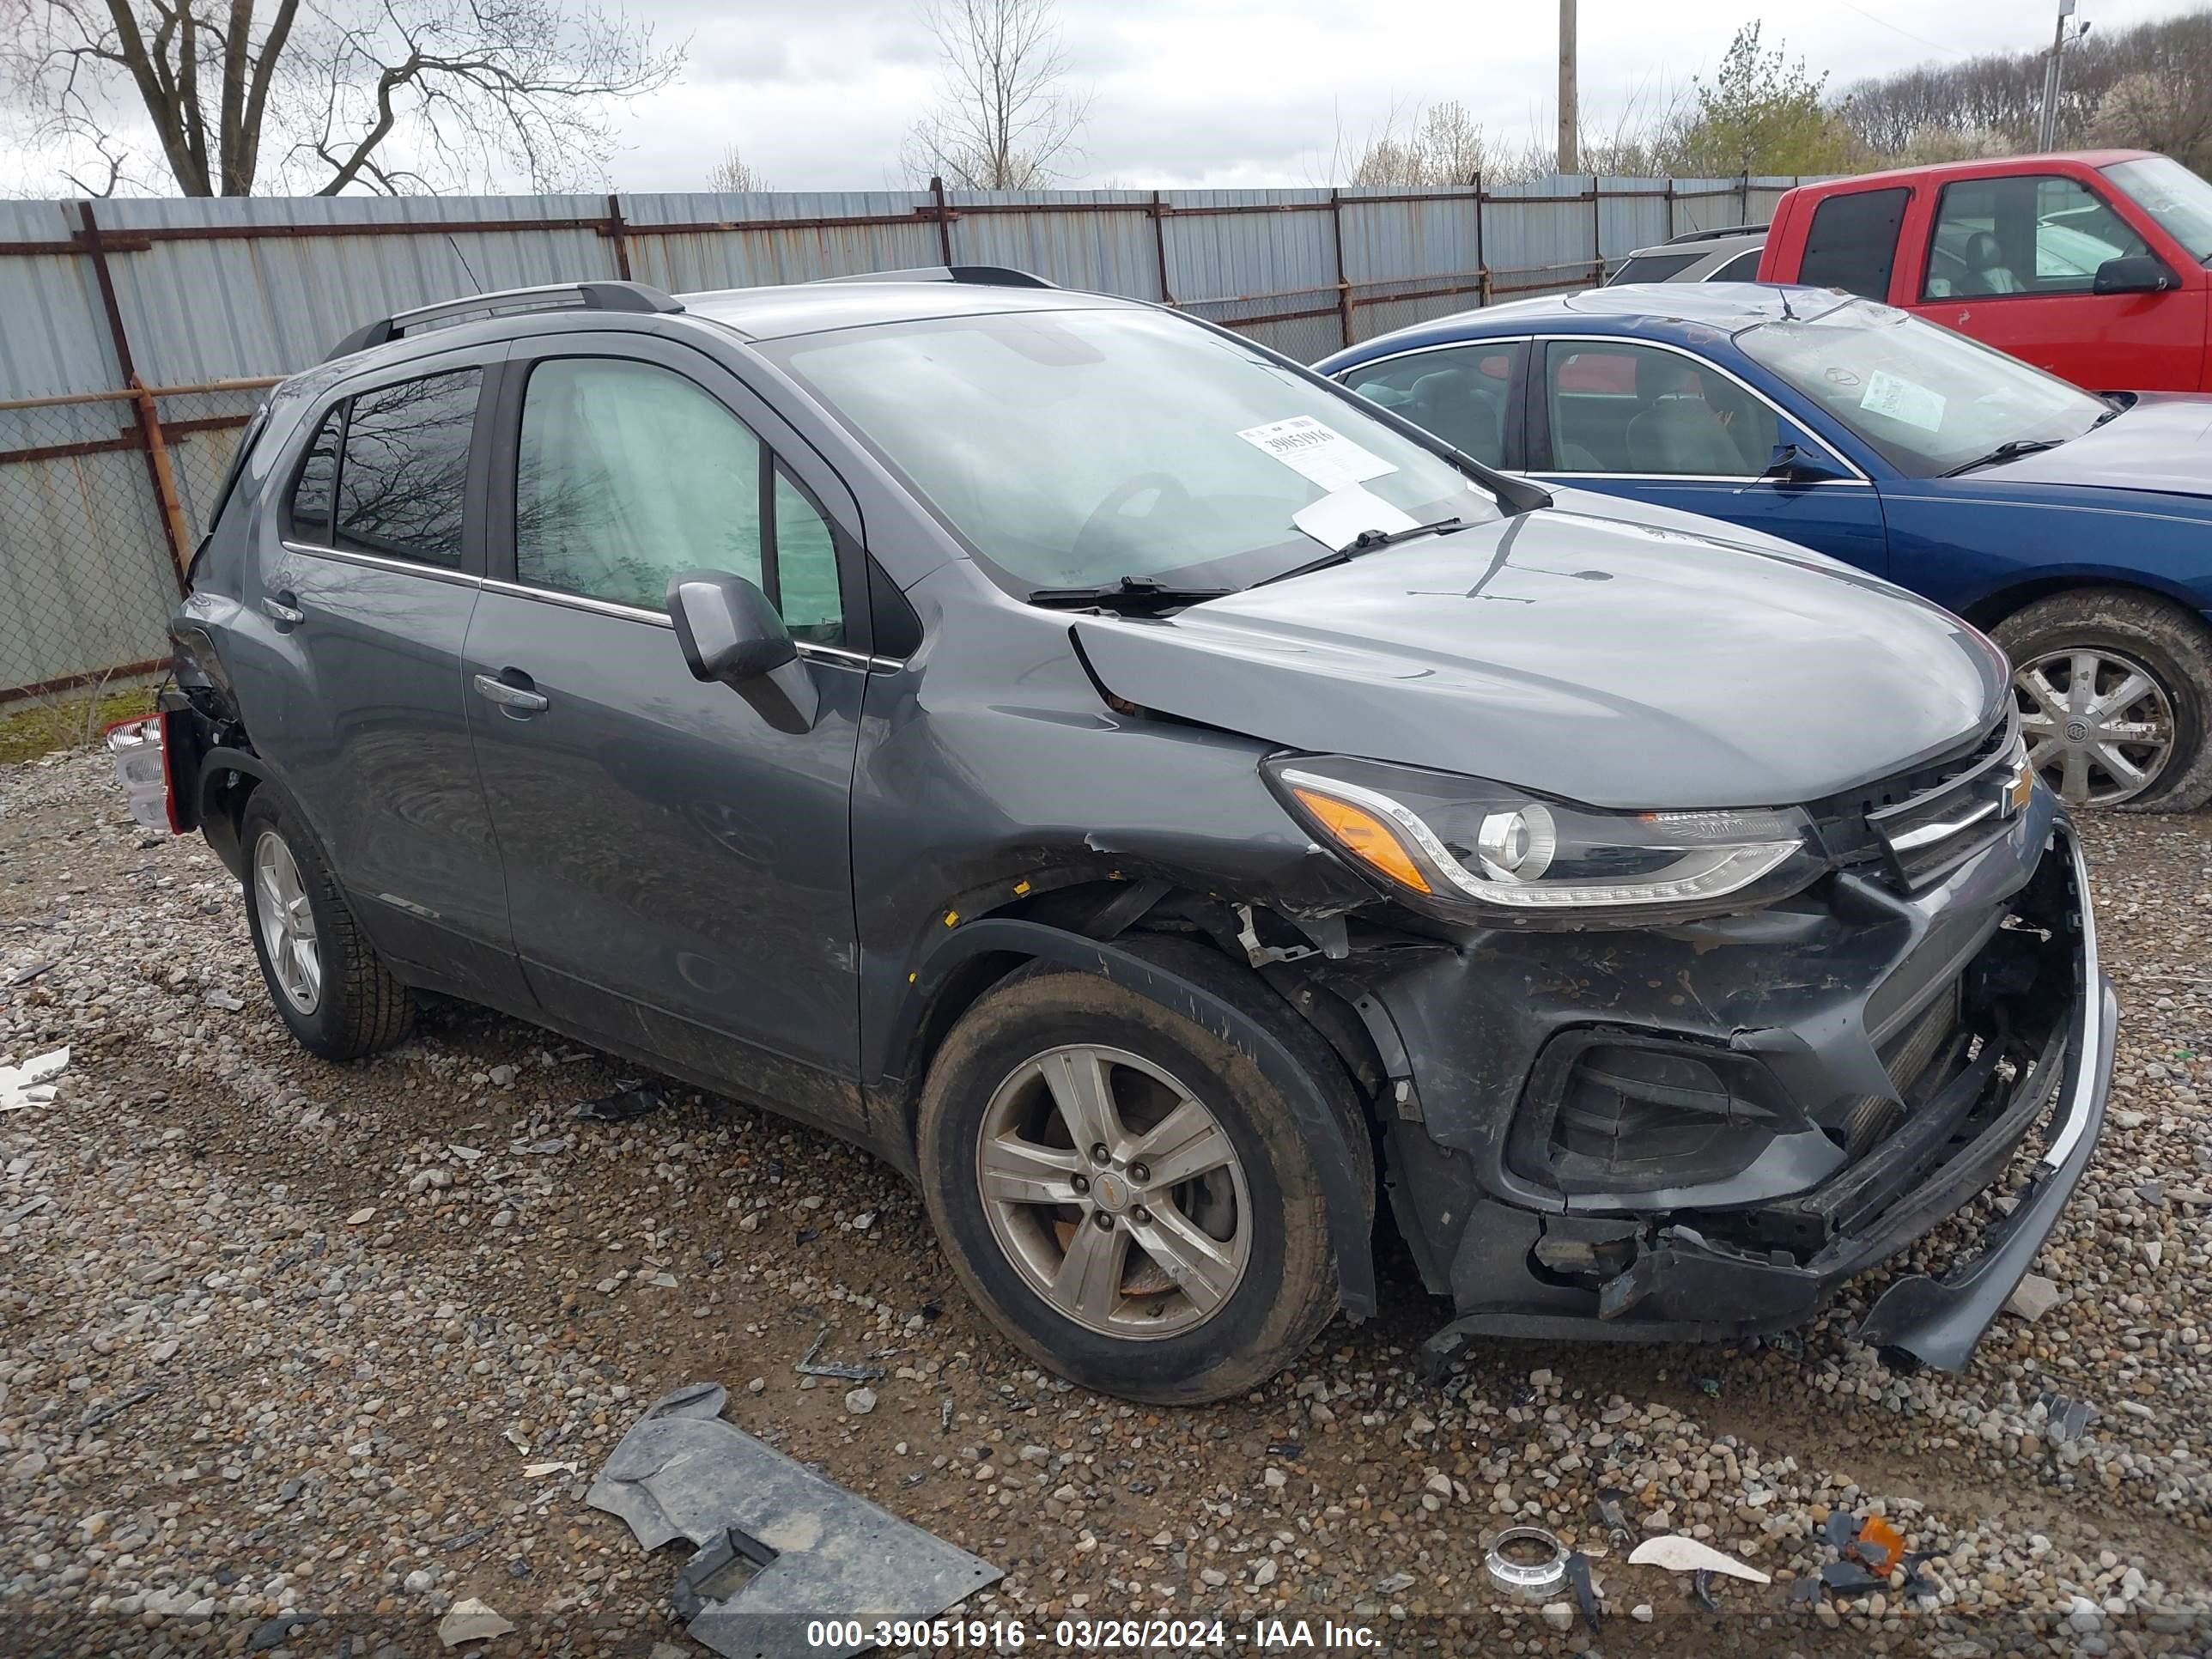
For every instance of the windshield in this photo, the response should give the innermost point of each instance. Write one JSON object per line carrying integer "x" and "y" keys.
{"x": 2168, "y": 191}
{"x": 1928, "y": 400}
{"x": 1070, "y": 448}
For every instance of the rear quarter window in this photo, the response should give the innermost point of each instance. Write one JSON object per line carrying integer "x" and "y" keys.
{"x": 314, "y": 486}
{"x": 1852, "y": 242}
{"x": 1654, "y": 267}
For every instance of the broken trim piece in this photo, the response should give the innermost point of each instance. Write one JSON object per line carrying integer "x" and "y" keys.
{"x": 777, "y": 1544}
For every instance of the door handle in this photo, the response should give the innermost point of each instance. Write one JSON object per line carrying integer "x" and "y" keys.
{"x": 279, "y": 608}
{"x": 492, "y": 689}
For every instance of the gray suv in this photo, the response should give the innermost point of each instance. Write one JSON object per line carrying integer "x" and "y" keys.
{"x": 1169, "y": 807}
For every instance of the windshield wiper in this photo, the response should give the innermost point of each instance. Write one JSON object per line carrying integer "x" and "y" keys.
{"x": 2010, "y": 450}
{"x": 1125, "y": 594}
{"x": 1368, "y": 540}
{"x": 1365, "y": 542}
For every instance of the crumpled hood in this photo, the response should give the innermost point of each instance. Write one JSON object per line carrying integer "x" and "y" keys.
{"x": 1614, "y": 663}
{"x": 2163, "y": 442}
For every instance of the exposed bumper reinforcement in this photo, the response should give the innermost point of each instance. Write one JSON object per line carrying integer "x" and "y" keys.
{"x": 1937, "y": 1322}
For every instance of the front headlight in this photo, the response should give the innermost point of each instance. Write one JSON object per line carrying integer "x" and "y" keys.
{"x": 1461, "y": 845}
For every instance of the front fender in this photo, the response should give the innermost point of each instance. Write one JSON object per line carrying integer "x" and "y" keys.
{"x": 1348, "y": 1199}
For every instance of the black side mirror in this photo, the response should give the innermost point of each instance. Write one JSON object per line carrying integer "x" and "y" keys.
{"x": 1792, "y": 464}
{"x": 2134, "y": 273}
{"x": 729, "y": 633}
{"x": 728, "y": 630}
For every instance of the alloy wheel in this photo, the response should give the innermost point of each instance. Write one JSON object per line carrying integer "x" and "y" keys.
{"x": 287, "y": 923}
{"x": 1115, "y": 1192}
{"x": 2099, "y": 728}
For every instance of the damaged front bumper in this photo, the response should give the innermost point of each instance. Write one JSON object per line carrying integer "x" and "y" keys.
{"x": 1872, "y": 1064}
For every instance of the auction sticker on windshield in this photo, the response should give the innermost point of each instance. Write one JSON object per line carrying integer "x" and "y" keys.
{"x": 1902, "y": 400}
{"x": 1320, "y": 452}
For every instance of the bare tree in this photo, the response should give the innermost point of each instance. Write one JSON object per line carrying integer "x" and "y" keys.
{"x": 734, "y": 176}
{"x": 1005, "y": 117}
{"x": 325, "y": 95}
{"x": 1437, "y": 146}
{"x": 2149, "y": 84}
{"x": 2172, "y": 111}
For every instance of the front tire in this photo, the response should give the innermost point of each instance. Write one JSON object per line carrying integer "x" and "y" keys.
{"x": 2115, "y": 692}
{"x": 1192, "y": 1260}
{"x": 324, "y": 976}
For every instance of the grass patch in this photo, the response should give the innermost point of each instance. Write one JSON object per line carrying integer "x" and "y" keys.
{"x": 70, "y": 721}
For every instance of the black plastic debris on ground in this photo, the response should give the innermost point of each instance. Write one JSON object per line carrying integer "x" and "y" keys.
{"x": 776, "y": 1543}
{"x": 1578, "y": 1576}
{"x": 1848, "y": 1578}
{"x": 632, "y": 1100}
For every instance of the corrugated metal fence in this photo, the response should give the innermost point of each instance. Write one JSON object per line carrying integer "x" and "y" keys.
{"x": 135, "y": 336}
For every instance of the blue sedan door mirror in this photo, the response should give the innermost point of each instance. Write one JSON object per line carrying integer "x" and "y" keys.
{"x": 1792, "y": 464}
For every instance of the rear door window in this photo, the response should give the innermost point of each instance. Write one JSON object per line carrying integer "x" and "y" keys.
{"x": 1852, "y": 243}
{"x": 403, "y": 476}
{"x": 1642, "y": 410}
{"x": 1744, "y": 268}
{"x": 1459, "y": 393}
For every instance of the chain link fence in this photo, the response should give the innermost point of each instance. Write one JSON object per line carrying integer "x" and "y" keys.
{"x": 101, "y": 496}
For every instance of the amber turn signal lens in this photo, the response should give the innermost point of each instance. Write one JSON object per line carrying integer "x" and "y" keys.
{"x": 1365, "y": 836}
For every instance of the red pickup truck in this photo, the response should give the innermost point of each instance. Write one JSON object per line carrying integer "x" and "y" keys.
{"x": 2090, "y": 264}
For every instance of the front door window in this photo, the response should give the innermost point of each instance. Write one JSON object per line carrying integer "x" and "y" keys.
{"x": 628, "y": 473}
{"x": 2027, "y": 233}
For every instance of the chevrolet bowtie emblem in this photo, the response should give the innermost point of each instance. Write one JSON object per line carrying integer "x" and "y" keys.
{"x": 2018, "y": 791}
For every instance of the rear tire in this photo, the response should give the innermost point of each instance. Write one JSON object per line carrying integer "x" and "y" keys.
{"x": 1264, "y": 1275}
{"x": 323, "y": 977}
{"x": 2076, "y": 652}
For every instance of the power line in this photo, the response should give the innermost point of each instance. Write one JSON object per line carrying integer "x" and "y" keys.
{"x": 1933, "y": 46}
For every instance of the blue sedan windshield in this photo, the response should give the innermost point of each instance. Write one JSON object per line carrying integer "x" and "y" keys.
{"x": 1927, "y": 399}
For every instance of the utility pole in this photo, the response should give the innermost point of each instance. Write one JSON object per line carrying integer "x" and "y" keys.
{"x": 2046, "y": 130}
{"x": 1569, "y": 160}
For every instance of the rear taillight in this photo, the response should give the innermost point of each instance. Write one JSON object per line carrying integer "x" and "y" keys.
{"x": 142, "y": 767}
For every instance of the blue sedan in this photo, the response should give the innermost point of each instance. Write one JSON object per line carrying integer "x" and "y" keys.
{"x": 2075, "y": 529}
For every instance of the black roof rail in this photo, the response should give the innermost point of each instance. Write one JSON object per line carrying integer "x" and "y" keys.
{"x": 638, "y": 297}
{"x": 981, "y": 275}
{"x": 1717, "y": 232}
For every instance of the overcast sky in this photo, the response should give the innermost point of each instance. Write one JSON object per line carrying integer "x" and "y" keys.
{"x": 818, "y": 95}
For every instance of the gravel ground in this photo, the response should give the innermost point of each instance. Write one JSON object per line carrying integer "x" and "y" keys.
{"x": 277, "y": 1340}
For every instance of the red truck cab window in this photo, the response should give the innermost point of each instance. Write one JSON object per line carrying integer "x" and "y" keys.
{"x": 2026, "y": 233}
{"x": 1852, "y": 244}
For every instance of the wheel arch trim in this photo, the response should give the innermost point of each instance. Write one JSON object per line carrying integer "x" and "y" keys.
{"x": 2001, "y": 603}
{"x": 219, "y": 767}
{"x": 1350, "y": 1222}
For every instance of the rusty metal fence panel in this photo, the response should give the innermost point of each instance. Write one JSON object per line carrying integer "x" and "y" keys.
{"x": 138, "y": 333}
